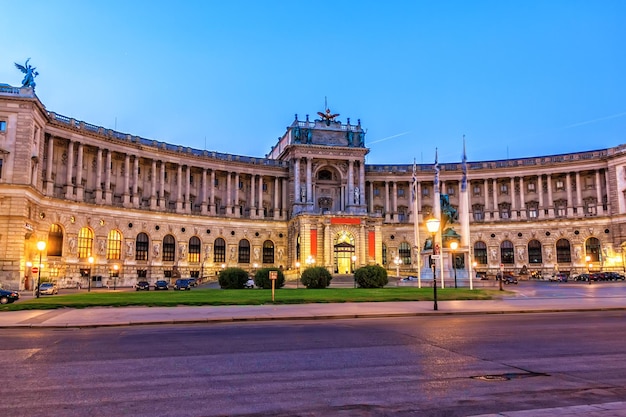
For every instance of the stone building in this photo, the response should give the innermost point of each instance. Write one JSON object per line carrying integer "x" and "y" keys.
{"x": 114, "y": 206}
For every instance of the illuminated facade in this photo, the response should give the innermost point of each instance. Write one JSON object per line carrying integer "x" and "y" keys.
{"x": 147, "y": 209}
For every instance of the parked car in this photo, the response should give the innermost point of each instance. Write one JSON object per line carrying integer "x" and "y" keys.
{"x": 509, "y": 279}
{"x": 142, "y": 286}
{"x": 48, "y": 288}
{"x": 193, "y": 281}
{"x": 409, "y": 279}
{"x": 161, "y": 285}
{"x": 614, "y": 276}
{"x": 581, "y": 277}
{"x": 559, "y": 277}
{"x": 182, "y": 284}
{"x": 7, "y": 296}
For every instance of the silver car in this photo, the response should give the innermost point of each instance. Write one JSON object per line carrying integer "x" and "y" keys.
{"x": 48, "y": 288}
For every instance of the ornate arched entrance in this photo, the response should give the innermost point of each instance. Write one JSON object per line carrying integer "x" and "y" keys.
{"x": 344, "y": 252}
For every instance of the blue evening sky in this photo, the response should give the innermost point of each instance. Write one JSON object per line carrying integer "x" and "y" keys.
{"x": 517, "y": 78}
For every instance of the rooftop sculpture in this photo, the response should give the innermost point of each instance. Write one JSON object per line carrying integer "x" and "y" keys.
{"x": 29, "y": 74}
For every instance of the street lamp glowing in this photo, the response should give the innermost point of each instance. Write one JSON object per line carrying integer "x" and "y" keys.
{"x": 397, "y": 261}
{"x": 454, "y": 245}
{"x": 297, "y": 274}
{"x": 432, "y": 225}
{"x": 116, "y": 268}
{"x": 41, "y": 246}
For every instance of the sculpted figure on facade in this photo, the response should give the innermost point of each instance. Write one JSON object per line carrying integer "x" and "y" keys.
{"x": 156, "y": 249}
{"x": 494, "y": 254}
{"x": 29, "y": 74}
{"x": 129, "y": 248}
{"x": 520, "y": 253}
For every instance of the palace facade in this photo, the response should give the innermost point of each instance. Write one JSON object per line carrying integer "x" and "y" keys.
{"x": 117, "y": 207}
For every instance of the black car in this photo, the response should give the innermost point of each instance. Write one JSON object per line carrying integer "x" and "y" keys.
{"x": 7, "y": 297}
{"x": 161, "y": 285}
{"x": 142, "y": 286}
{"x": 182, "y": 284}
{"x": 193, "y": 281}
{"x": 508, "y": 278}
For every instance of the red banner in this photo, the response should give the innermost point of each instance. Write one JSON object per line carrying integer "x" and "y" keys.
{"x": 371, "y": 244}
{"x": 314, "y": 242}
{"x": 345, "y": 220}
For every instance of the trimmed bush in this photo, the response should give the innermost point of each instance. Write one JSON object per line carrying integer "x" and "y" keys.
{"x": 371, "y": 276}
{"x": 232, "y": 278}
{"x": 262, "y": 278}
{"x": 316, "y": 277}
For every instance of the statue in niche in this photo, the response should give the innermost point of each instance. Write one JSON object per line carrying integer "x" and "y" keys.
{"x": 72, "y": 244}
{"x": 549, "y": 253}
{"x": 256, "y": 254}
{"x": 156, "y": 250}
{"x": 280, "y": 254}
{"x": 520, "y": 253}
{"x": 29, "y": 74}
{"x": 129, "y": 248}
{"x": 357, "y": 195}
{"x": 302, "y": 195}
{"x": 494, "y": 254}
{"x": 181, "y": 251}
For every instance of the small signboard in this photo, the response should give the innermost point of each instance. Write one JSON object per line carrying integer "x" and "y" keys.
{"x": 273, "y": 275}
{"x": 35, "y": 269}
{"x": 435, "y": 256}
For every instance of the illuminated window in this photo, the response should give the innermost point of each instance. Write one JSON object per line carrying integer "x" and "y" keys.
{"x": 85, "y": 243}
{"x": 114, "y": 245}
{"x": 193, "y": 255}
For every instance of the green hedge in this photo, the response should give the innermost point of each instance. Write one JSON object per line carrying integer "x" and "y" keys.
{"x": 316, "y": 277}
{"x": 232, "y": 278}
{"x": 262, "y": 278}
{"x": 371, "y": 276}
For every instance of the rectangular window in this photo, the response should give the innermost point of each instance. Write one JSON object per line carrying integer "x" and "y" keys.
{"x": 531, "y": 186}
{"x": 425, "y": 192}
{"x": 504, "y": 189}
{"x": 477, "y": 190}
{"x": 264, "y": 187}
{"x": 216, "y": 183}
{"x": 0, "y": 168}
{"x": 533, "y": 213}
{"x": 478, "y": 216}
{"x": 3, "y": 126}
{"x": 191, "y": 179}
{"x": 560, "y": 185}
{"x": 400, "y": 192}
{"x": 241, "y": 185}
{"x": 376, "y": 192}
{"x": 451, "y": 191}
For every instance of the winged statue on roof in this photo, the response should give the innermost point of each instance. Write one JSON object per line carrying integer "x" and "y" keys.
{"x": 29, "y": 74}
{"x": 328, "y": 116}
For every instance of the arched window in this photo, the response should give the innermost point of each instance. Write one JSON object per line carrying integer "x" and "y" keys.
{"x": 114, "y": 245}
{"x": 534, "y": 252}
{"x": 404, "y": 252}
{"x": 268, "y": 252}
{"x": 219, "y": 250}
{"x": 592, "y": 249}
{"x": 54, "y": 246}
{"x": 506, "y": 252}
{"x": 193, "y": 255}
{"x": 169, "y": 248}
{"x": 384, "y": 254}
{"x": 85, "y": 243}
{"x": 480, "y": 253}
{"x": 298, "y": 248}
{"x": 141, "y": 247}
{"x": 563, "y": 251}
{"x": 244, "y": 251}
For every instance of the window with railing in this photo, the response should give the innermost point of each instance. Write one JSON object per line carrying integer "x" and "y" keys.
{"x": 404, "y": 252}
{"x": 85, "y": 243}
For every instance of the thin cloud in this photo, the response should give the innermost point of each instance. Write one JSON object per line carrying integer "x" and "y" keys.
{"x": 389, "y": 137}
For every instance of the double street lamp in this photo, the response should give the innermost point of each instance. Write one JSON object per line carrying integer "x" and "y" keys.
{"x": 432, "y": 225}
{"x": 41, "y": 246}
{"x": 454, "y": 245}
{"x": 91, "y": 261}
{"x": 353, "y": 268}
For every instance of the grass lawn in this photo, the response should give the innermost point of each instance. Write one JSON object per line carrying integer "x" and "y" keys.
{"x": 247, "y": 297}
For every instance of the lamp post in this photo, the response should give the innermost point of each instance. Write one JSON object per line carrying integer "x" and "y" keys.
{"x": 353, "y": 267}
{"x": 588, "y": 262}
{"x": 116, "y": 268}
{"x": 90, "y": 260}
{"x": 454, "y": 245}
{"x": 432, "y": 225}
{"x": 41, "y": 246}
{"x": 297, "y": 274}
{"x": 397, "y": 262}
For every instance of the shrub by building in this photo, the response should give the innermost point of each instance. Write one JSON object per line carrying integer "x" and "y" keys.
{"x": 316, "y": 277}
{"x": 371, "y": 276}
{"x": 232, "y": 278}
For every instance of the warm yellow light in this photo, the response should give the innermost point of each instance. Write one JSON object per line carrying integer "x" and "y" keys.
{"x": 353, "y": 258}
{"x": 41, "y": 245}
{"x": 454, "y": 245}
{"x": 116, "y": 267}
{"x": 90, "y": 260}
{"x": 432, "y": 225}
{"x": 588, "y": 258}
{"x": 297, "y": 264}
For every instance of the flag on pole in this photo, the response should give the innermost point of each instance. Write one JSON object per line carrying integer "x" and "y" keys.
{"x": 436, "y": 171}
{"x": 464, "y": 168}
{"x": 414, "y": 182}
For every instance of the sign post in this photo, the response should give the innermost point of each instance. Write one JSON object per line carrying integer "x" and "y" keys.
{"x": 501, "y": 276}
{"x": 35, "y": 269}
{"x": 273, "y": 278}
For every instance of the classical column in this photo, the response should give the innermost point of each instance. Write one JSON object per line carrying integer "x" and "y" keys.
{"x": 513, "y": 200}
{"x": 285, "y": 209}
{"x": 350, "y": 201}
{"x": 163, "y": 203}
{"x": 253, "y": 208}
{"x": 126, "y": 194}
{"x": 69, "y": 187}
{"x": 522, "y": 198}
{"x": 487, "y": 208}
{"x": 187, "y": 202}
{"x": 179, "y": 188}
{"x": 598, "y": 193}
{"x": 568, "y": 189}
{"x": 212, "y": 207}
{"x": 153, "y": 183}
{"x": 361, "y": 201}
{"x": 50, "y": 167}
{"x": 370, "y": 201}
{"x": 99, "y": 175}
{"x": 108, "y": 194}
{"x": 387, "y": 213}
{"x": 394, "y": 187}
{"x": 79, "y": 174}
{"x": 261, "y": 211}
{"x": 542, "y": 207}
{"x": 296, "y": 179}
{"x": 276, "y": 199}
{"x": 237, "y": 206}
{"x": 136, "y": 198}
{"x": 496, "y": 209}
{"x": 608, "y": 192}
{"x": 550, "y": 199}
{"x": 229, "y": 194}
{"x": 203, "y": 204}
{"x": 309, "y": 183}
{"x": 579, "y": 196}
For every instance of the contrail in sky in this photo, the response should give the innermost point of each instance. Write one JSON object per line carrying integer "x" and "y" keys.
{"x": 390, "y": 137}
{"x": 614, "y": 116}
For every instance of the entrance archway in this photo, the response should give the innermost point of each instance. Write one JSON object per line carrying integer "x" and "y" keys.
{"x": 343, "y": 252}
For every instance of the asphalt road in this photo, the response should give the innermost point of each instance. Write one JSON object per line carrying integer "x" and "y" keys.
{"x": 425, "y": 366}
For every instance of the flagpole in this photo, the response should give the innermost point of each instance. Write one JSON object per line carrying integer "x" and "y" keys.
{"x": 416, "y": 231}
